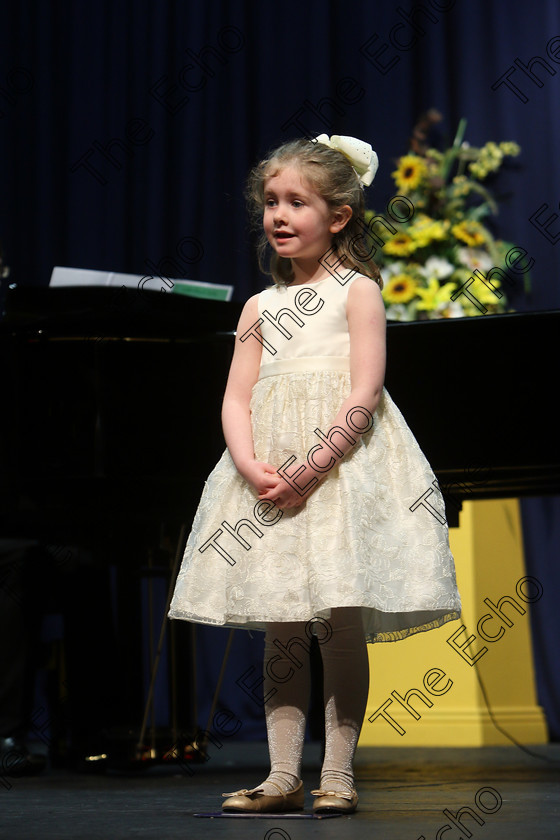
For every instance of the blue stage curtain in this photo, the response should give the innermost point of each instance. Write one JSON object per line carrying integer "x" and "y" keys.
{"x": 128, "y": 128}
{"x": 541, "y": 536}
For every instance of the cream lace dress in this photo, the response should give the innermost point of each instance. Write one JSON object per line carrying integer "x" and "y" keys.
{"x": 355, "y": 541}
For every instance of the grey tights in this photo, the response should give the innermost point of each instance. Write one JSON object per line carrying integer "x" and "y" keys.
{"x": 286, "y": 690}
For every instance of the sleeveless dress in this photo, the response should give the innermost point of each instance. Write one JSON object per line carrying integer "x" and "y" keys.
{"x": 364, "y": 538}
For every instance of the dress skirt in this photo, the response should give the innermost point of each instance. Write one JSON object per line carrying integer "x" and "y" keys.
{"x": 358, "y": 540}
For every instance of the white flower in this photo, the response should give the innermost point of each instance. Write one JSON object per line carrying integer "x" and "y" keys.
{"x": 437, "y": 267}
{"x": 397, "y": 267}
{"x": 474, "y": 258}
{"x": 399, "y": 312}
{"x": 453, "y": 309}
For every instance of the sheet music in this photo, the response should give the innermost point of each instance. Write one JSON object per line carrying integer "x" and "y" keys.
{"x": 65, "y": 276}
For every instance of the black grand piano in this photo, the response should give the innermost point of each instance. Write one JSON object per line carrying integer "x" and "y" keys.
{"x": 108, "y": 426}
{"x": 108, "y": 414}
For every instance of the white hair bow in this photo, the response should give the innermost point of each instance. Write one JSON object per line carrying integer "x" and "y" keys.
{"x": 360, "y": 154}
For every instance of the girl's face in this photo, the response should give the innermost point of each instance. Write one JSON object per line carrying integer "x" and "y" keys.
{"x": 297, "y": 220}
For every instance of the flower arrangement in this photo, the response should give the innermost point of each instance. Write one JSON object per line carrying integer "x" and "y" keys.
{"x": 433, "y": 255}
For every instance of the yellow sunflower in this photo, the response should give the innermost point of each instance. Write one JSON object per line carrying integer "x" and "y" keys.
{"x": 400, "y": 289}
{"x": 400, "y": 245}
{"x": 472, "y": 233}
{"x": 410, "y": 172}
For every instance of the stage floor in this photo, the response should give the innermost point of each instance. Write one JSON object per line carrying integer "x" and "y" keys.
{"x": 403, "y": 795}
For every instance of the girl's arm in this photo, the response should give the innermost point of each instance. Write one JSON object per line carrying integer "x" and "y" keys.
{"x": 365, "y": 311}
{"x": 236, "y": 414}
{"x": 367, "y": 326}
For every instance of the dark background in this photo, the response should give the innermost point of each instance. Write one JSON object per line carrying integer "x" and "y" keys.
{"x": 127, "y": 129}
{"x": 127, "y": 126}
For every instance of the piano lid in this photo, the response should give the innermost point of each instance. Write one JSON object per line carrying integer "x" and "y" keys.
{"x": 116, "y": 312}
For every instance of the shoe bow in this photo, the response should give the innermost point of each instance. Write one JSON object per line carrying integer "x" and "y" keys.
{"x": 340, "y": 794}
{"x": 243, "y": 792}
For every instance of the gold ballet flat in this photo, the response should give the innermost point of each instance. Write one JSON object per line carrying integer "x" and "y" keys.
{"x": 257, "y": 801}
{"x": 340, "y": 801}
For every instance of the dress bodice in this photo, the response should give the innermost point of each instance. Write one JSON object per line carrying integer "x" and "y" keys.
{"x": 303, "y": 325}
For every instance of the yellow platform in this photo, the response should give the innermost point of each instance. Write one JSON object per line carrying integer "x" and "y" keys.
{"x": 425, "y": 690}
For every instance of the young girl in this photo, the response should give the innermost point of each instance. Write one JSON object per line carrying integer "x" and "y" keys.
{"x": 308, "y": 524}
